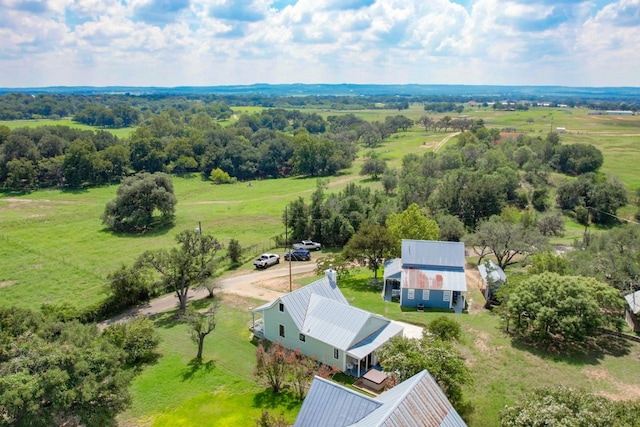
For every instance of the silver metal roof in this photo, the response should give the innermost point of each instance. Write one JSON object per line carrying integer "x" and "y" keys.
{"x": 496, "y": 273}
{"x": 297, "y": 302}
{"x": 433, "y": 253}
{"x": 341, "y": 325}
{"x": 331, "y": 405}
{"x": 392, "y": 267}
{"x": 375, "y": 340}
{"x": 418, "y": 401}
{"x": 634, "y": 302}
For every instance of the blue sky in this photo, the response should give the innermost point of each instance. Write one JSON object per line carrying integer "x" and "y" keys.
{"x": 223, "y": 42}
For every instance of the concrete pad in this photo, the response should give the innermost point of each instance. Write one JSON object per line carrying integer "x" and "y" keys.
{"x": 411, "y": 331}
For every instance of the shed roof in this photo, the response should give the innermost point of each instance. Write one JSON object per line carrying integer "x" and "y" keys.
{"x": 392, "y": 267}
{"x": 434, "y": 279}
{"x": 433, "y": 253}
{"x": 494, "y": 272}
{"x": 375, "y": 340}
{"x": 633, "y": 300}
{"x": 416, "y": 401}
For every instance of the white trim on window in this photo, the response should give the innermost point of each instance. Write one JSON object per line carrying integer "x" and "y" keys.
{"x": 411, "y": 293}
{"x": 425, "y": 295}
{"x": 446, "y": 296}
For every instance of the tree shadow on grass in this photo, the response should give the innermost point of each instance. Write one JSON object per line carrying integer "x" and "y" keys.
{"x": 157, "y": 230}
{"x": 357, "y": 283}
{"x": 197, "y": 367}
{"x": 589, "y": 352}
{"x": 166, "y": 320}
{"x": 269, "y": 400}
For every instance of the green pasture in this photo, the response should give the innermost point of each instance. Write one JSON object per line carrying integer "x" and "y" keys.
{"x": 122, "y": 133}
{"x": 55, "y": 249}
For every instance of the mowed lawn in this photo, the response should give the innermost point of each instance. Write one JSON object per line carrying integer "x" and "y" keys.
{"x": 219, "y": 391}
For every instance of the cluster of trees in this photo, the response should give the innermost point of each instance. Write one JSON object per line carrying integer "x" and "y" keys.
{"x": 567, "y": 407}
{"x": 443, "y": 107}
{"x": 563, "y": 310}
{"x": 435, "y": 352}
{"x": 119, "y": 116}
{"x": 56, "y": 372}
{"x": 271, "y": 143}
{"x": 444, "y": 123}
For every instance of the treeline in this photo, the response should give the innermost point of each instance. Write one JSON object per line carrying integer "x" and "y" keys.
{"x": 467, "y": 183}
{"x": 268, "y": 144}
{"x": 110, "y": 110}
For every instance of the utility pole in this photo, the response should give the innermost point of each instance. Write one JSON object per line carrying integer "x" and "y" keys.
{"x": 286, "y": 242}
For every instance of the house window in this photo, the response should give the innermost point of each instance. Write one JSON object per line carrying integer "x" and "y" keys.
{"x": 282, "y": 331}
{"x": 446, "y": 296}
{"x": 411, "y": 293}
{"x": 336, "y": 353}
{"x": 281, "y": 307}
{"x": 302, "y": 337}
{"x": 425, "y": 294}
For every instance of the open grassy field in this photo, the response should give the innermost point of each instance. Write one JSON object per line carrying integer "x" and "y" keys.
{"x": 55, "y": 249}
{"x": 122, "y": 133}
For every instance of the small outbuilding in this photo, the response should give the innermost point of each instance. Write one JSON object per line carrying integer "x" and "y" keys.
{"x": 632, "y": 311}
{"x": 493, "y": 277}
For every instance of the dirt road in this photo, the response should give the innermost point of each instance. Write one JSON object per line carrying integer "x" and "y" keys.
{"x": 242, "y": 284}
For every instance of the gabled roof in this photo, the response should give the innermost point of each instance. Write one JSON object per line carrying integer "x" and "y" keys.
{"x": 329, "y": 404}
{"x": 633, "y": 300}
{"x": 320, "y": 311}
{"x": 495, "y": 273}
{"x": 433, "y": 253}
{"x": 338, "y": 324}
{"x": 418, "y": 401}
{"x": 297, "y": 301}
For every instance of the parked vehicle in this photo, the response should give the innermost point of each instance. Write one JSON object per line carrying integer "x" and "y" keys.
{"x": 298, "y": 255}
{"x": 308, "y": 245}
{"x": 266, "y": 260}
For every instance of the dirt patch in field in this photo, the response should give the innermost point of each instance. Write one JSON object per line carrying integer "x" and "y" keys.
{"x": 474, "y": 282}
{"x": 7, "y": 283}
{"x": 266, "y": 290}
{"x": 623, "y": 391}
{"x": 237, "y": 301}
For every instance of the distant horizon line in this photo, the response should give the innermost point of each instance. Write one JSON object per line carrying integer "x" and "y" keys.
{"x": 316, "y": 84}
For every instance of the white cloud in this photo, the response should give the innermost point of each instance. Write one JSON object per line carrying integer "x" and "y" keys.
{"x": 208, "y": 42}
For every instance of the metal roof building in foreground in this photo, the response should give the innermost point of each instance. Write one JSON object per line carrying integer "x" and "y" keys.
{"x": 416, "y": 402}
